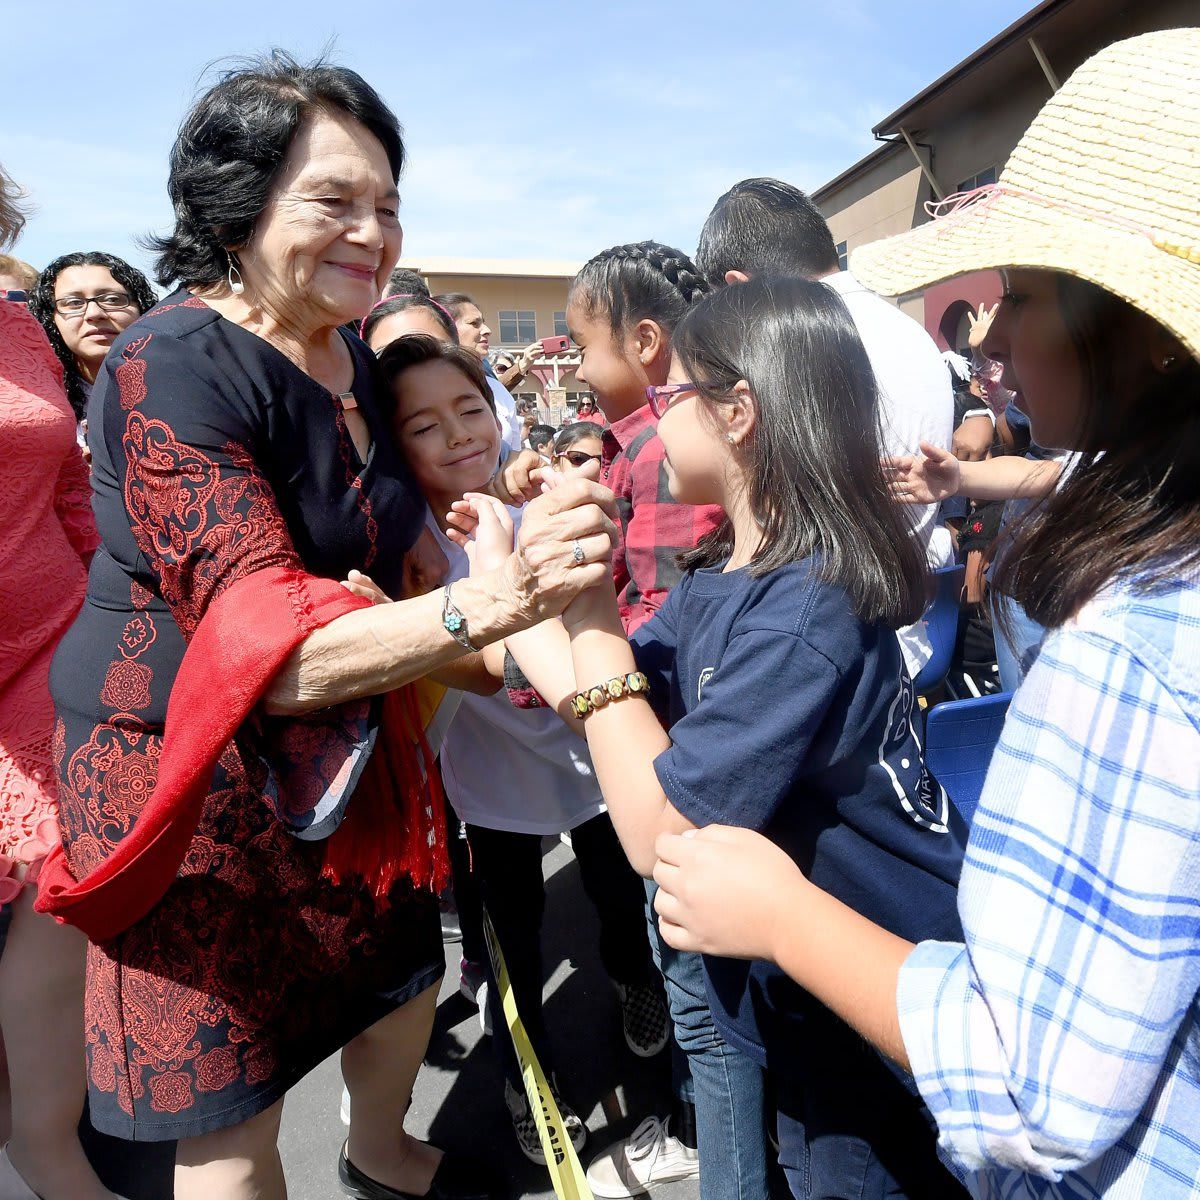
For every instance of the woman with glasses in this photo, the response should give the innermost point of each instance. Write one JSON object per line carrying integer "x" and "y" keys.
{"x": 84, "y": 300}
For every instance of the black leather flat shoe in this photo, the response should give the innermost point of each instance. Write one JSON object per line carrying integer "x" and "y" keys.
{"x": 453, "y": 1180}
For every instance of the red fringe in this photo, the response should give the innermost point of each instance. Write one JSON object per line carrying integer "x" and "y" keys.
{"x": 395, "y": 823}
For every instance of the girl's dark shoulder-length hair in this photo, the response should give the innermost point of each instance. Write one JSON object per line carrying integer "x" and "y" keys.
{"x": 41, "y": 304}
{"x": 232, "y": 145}
{"x": 1130, "y": 508}
{"x": 816, "y": 484}
{"x": 415, "y": 349}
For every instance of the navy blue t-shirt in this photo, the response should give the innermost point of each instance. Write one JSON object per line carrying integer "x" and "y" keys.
{"x": 791, "y": 716}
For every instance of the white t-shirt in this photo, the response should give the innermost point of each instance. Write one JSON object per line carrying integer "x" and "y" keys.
{"x": 506, "y": 414}
{"x": 916, "y": 404}
{"x": 517, "y": 769}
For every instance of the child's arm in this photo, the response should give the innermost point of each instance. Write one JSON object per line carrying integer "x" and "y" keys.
{"x": 733, "y": 893}
{"x": 939, "y": 475}
{"x": 624, "y": 737}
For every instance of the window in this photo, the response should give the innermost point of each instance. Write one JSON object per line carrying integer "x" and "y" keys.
{"x": 560, "y": 325}
{"x": 518, "y": 326}
{"x": 841, "y": 253}
{"x": 983, "y": 179}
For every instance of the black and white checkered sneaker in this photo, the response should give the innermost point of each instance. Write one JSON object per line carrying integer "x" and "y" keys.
{"x": 643, "y": 1018}
{"x": 525, "y": 1127}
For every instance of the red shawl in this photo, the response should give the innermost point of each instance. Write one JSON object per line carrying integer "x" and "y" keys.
{"x": 243, "y": 641}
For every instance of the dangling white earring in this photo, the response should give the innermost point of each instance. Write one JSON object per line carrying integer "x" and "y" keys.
{"x": 234, "y": 277}
{"x": 731, "y": 439}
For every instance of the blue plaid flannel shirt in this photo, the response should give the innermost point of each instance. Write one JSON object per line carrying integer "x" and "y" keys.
{"x": 1059, "y": 1049}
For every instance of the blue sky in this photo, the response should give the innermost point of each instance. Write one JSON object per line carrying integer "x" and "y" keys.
{"x": 534, "y": 130}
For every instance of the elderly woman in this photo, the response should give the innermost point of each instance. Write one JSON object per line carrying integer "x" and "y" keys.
{"x": 85, "y": 301}
{"x": 241, "y": 467}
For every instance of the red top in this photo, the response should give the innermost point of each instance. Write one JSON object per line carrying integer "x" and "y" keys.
{"x": 655, "y": 529}
{"x": 47, "y": 536}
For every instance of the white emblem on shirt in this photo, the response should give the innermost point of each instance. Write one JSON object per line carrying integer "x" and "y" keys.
{"x": 705, "y": 676}
{"x": 928, "y": 806}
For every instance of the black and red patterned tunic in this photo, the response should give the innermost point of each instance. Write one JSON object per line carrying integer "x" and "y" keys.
{"x": 214, "y": 456}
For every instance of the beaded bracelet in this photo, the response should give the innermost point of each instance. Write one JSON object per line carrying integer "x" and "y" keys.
{"x": 617, "y": 688}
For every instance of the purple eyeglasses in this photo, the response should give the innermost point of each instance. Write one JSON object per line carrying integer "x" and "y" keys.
{"x": 662, "y": 396}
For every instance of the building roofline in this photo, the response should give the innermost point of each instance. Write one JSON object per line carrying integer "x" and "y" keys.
{"x": 852, "y": 172}
{"x": 516, "y": 268}
{"x": 1021, "y": 28}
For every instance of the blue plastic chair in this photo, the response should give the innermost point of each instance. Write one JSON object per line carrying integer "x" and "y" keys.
{"x": 959, "y": 739}
{"x": 941, "y": 625}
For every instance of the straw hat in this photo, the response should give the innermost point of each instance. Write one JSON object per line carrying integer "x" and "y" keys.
{"x": 1104, "y": 185}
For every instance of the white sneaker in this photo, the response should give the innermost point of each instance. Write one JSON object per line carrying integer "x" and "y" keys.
{"x": 648, "y": 1157}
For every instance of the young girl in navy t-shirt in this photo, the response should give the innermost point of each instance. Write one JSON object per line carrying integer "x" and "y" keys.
{"x": 790, "y": 711}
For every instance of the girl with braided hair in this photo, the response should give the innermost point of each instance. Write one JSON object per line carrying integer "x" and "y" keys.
{"x": 622, "y": 311}
{"x": 84, "y": 301}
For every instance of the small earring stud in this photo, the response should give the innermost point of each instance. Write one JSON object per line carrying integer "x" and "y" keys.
{"x": 731, "y": 439}
{"x": 1168, "y": 362}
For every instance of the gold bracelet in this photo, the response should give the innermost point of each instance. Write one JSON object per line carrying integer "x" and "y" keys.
{"x": 617, "y": 688}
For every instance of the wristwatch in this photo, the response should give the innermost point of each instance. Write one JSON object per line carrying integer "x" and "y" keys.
{"x": 455, "y": 623}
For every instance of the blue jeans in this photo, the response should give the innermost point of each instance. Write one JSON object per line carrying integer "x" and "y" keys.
{"x": 725, "y": 1086}
{"x": 1013, "y": 658}
{"x": 866, "y": 1139}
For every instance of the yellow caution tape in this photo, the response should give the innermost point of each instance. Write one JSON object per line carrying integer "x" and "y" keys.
{"x": 566, "y": 1175}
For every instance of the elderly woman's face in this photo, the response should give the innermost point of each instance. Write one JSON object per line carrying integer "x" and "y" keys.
{"x": 330, "y": 234}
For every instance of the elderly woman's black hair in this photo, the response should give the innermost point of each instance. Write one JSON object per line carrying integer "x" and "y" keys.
{"x": 232, "y": 144}
{"x": 403, "y": 282}
{"x": 398, "y": 304}
{"x": 813, "y": 461}
{"x": 416, "y": 349}
{"x": 41, "y": 304}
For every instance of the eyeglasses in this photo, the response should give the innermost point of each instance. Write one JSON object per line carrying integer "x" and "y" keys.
{"x": 76, "y": 306}
{"x": 577, "y": 458}
{"x": 665, "y": 394}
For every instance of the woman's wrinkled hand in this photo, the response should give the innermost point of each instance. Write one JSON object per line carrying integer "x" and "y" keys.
{"x": 726, "y": 891}
{"x": 927, "y": 480}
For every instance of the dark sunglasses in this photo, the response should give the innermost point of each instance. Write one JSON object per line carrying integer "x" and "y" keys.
{"x": 577, "y": 458}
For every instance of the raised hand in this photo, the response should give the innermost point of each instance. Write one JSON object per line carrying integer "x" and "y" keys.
{"x": 480, "y": 524}
{"x": 979, "y": 323}
{"x": 927, "y": 480}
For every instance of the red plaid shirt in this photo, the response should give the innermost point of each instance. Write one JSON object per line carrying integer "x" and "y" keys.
{"x": 654, "y": 527}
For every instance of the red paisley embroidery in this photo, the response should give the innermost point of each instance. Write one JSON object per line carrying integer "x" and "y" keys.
{"x": 200, "y": 528}
{"x": 171, "y": 1092}
{"x": 139, "y": 596}
{"x": 110, "y": 776}
{"x": 217, "y": 1069}
{"x": 127, "y": 685}
{"x": 138, "y": 635}
{"x": 131, "y": 374}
